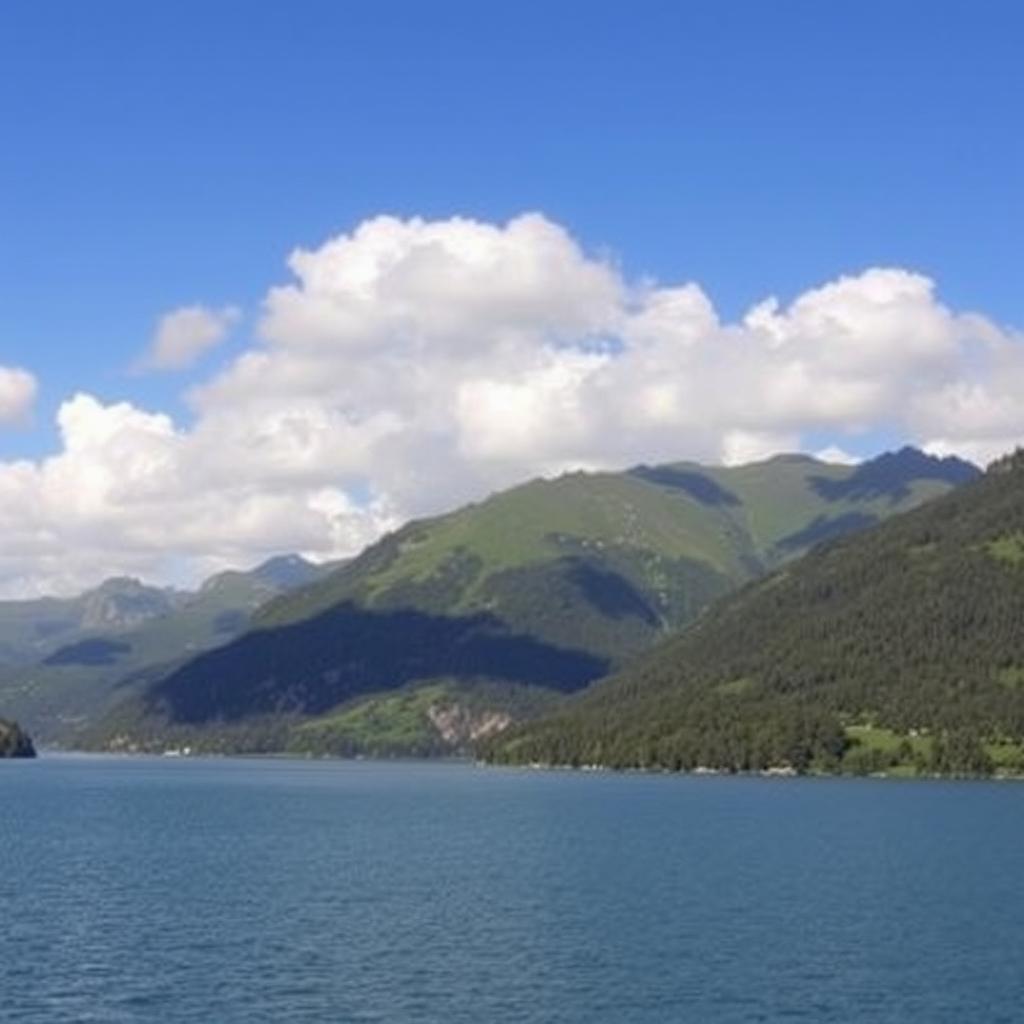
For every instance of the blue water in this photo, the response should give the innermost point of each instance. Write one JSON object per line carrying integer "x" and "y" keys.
{"x": 242, "y": 891}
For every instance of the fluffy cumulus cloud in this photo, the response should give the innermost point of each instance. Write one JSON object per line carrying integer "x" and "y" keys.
{"x": 17, "y": 393}
{"x": 183, "y": 335}
{"x": 412, "y": 365}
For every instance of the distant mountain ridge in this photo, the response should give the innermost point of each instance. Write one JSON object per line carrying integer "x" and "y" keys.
{"x": 66, "y": 657}
{"x": 551, "y": 584}
{"x": 32, "y": 628}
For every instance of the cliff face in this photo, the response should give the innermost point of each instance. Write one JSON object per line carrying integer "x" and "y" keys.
{"x": 14, "y": 741}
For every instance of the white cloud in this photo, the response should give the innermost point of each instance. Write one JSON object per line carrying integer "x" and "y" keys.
{"x": 129, "y": 493}
{"x": 838, "y": 456}
{"x": 413, "y": 365}
{"x": 185, "y": 334}
{"x": 458, "y": 284}
{"x": 740, "y": 446}
{"x": 17, "y": 393}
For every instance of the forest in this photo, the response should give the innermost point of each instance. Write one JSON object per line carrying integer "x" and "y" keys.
{"x": 899, "y": 648}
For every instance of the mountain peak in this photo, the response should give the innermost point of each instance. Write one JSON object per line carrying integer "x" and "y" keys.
{"x": 948, "y": 467}
{"x": 122, "y": 602}
{"x": 119, "y": 584}
{"x": 791, "y": 457}
{"x": 891, "y": 474}
{"x": 286, "y": 571}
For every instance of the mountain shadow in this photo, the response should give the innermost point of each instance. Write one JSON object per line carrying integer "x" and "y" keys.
{"x": 610, "y": 593}
{"x": 234, "y": 620}
{"x": 94, "y": 651}
{"x": 891, "y": 474}
{"x": 698, "y": 486}
{"x": 311, "y": 666}
{"x": 823, "y": 529}
{"x": 612, "y": 603}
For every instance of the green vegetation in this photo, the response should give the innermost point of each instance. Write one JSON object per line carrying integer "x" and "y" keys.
{"x": 678, "y": 536}
{"x": 542, "y": 588}
{"x": 69, "y": 660}
{"x": 1008, "y": 548}
{"x": 14, "y": 741}
{"x": 394, "y": 724}
{"x": 872, "y": 750}
{"x": 898, "y": 649}
{"x": 442, "y": 718}
{"x": 1010, "y": 676}
{"x": 30, "y": 630}
{"x": 549, "y": 585}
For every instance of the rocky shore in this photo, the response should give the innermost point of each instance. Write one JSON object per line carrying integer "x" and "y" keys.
{"x": 14, "y": 741}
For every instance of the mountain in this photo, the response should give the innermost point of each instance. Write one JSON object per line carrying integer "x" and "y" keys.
{"x": 896, "y": 649}
{"x": 69, "y": 658}
{"x": 14, "y": 741}
{"x": 551, "y": 585}
{"x": 31, "y": 629}
{"x": 286, "y": 572}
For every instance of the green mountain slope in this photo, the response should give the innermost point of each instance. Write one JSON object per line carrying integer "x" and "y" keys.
{"x": 896, "y": 648}
{"x": 606, "y": 562}
{"x": 552, "y": 584}
{"x": 119, "y": 632}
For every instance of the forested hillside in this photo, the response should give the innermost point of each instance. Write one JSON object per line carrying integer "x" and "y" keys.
{"x": 898, "y": 648}
{"x": 552, "y": 584}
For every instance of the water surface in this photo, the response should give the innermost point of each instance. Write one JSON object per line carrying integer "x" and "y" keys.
{"x": 295, "y": 891}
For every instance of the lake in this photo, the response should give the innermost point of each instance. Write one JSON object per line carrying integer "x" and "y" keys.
{"x": 231, "y": 890}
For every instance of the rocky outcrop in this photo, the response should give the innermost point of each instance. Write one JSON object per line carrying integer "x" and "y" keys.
{"x": 458, "y": 725}
{"x": 124, "y": 603}
{"x": 14, "y": 741}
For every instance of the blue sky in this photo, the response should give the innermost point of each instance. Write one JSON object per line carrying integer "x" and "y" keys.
{"x": 162, "y": 155}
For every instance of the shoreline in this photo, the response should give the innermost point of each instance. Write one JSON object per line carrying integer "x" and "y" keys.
{"x": 773, "y": 773}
